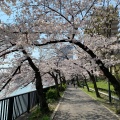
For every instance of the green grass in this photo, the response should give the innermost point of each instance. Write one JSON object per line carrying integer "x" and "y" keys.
{"x": 101, "y": 84}
{"x": 114, "y": 106}
{"x": 104, "y": 85}
{"x": 37, "y": 115}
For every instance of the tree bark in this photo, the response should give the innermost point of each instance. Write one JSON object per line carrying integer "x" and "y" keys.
{"x": 56, "y": 82}
{"x": 77, "y": 81}
{"x": 86, "y": 83}
{"x": 57, "y": 86}
{"x": 42, "y": 97}
{"x": 39, "y": 87}
{"x": 64, "y": 80}
{"x": 60, "y": 81}
{"x": 94, "y": 83}
{"x": 116, "y": 73}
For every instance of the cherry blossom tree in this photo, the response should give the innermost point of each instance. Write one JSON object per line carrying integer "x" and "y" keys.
{"x": 48, "y": 22}
{"x": 11, "y": 47}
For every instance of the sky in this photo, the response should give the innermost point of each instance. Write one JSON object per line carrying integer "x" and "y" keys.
{"x": 6, "y": 18}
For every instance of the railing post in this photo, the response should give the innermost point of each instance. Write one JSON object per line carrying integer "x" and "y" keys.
{"x": 28, "y": 107}
{"x": 10, "y": 108}
{"x": 37, "y": 99}
{"x": 109, "y": 92}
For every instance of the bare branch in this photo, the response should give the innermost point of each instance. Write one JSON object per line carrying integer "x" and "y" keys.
{"x": 6, "y": 49}
{"x": 89, "y": 9}
{"x": 29, "y": 82}
{"x": 59, "y": 14}
{"x": 13, "y": 75}
{"x": 3, "y": 54}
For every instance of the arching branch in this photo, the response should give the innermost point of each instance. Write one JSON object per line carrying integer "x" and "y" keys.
{"x": 14, "y": 73}
{"x": 8, "y": 52}
{"x": 101, "y": 65}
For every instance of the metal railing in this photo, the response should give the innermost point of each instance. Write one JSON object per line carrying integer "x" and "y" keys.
{"x": 105, "y": 94}
{"x": 13, "y": 107}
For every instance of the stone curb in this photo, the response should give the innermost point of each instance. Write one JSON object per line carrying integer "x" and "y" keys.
{"x": 53, "y": 114}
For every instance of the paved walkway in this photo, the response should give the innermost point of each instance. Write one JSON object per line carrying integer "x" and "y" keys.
{"x": 77, "y": 105}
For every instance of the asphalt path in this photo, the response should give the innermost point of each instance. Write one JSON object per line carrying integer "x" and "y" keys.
{"x": 77, "y": 105}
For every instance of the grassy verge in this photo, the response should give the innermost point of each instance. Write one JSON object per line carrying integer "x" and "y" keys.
{"x": 37, "y": 115}
{"x": 104, "y": 85}
{"x": 101, "y": 84}
{"x": 104, "y": 100}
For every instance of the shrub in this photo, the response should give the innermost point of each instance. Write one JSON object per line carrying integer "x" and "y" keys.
{"x": 45, "y": 117}
{"x": 118, "y": 108}
{"x": 118, "y": 111}
{"x": 51, "y": 94}
{"x": 51, "y": 100}
{"x": 63, "y": 87}
{"x": 37, "y": 115}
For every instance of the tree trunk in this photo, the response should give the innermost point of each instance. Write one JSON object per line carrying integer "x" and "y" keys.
{"x": 60, "y": 81}
{"x": 86, "y": 83}
{"x": 94, "y": 83}
{"x": 96, "y": 79}
{"x": 39, "y": 87}
{"x": 56, "y": 82}
{"x": 57, "y": 86}
{"x": 64, "y": 81}
{"x": 116, "y": 74}
{"x": 42, "y": 97}
{"x": 77, "y": 81}
{"x": 95, "y": 86}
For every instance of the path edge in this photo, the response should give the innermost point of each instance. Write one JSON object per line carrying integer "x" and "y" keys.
{"x": 54, "y": 112}
{"x": 103, "y": 106}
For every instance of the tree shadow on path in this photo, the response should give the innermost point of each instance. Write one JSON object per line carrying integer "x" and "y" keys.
{"x": 76, "y": 105}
